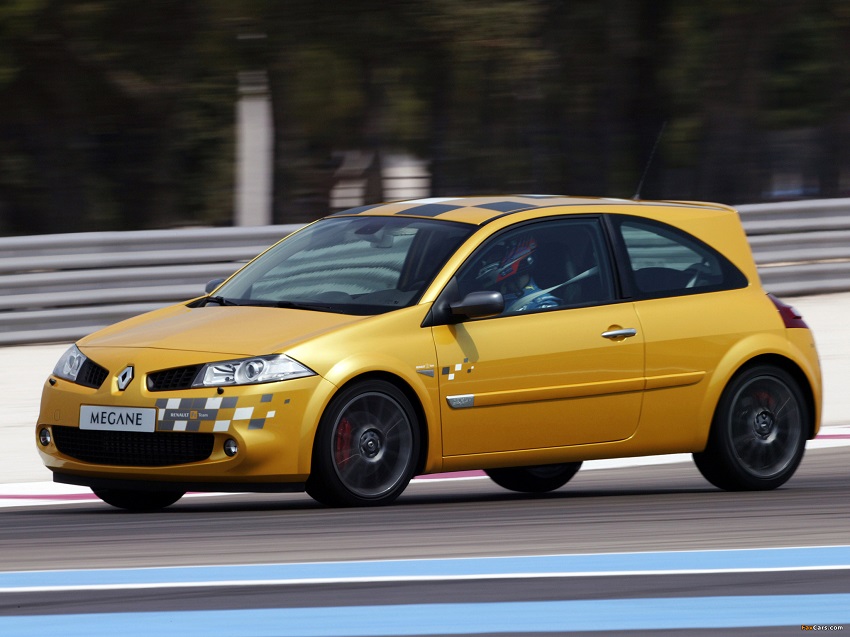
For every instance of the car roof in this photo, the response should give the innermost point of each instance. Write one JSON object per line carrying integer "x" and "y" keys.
{"x": 480, "y": 210}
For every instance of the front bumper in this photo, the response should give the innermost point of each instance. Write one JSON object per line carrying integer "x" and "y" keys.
{"x": 272, "y": 426}
{"x": 97, "y": 482}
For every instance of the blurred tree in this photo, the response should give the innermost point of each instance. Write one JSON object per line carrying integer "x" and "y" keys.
{"x": 342, "y": 79}
{"x": 120, "y": 114}
{"x": 834, "y": 165}
{"x": 103, "y": 124}
{"x": 809, "y": 87}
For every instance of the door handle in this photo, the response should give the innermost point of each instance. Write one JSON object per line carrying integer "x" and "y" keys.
{"x": 614, "y": 335}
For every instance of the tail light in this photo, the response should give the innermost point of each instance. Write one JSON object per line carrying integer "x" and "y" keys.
{"x": 790, "y": 316}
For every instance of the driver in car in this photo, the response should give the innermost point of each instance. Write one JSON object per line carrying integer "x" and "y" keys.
{"x": 514, "y": 276}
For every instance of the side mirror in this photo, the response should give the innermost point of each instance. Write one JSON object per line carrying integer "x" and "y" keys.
{"x": 212, "y": 285}
{"x": 478, "y": 305}
{"x": 446, "y": 311}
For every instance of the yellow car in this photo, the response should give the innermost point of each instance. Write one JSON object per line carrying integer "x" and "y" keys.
{"x": 520, "y": 335}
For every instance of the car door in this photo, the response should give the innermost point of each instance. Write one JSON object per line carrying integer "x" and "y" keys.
{"x": 692, "y": 303}
{"x": 561, "y": 366}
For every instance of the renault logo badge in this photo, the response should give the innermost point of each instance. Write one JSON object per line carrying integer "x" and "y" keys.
{"x": 125, "y": 377}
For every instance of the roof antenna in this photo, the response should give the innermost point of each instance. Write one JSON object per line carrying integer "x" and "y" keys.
{"x": 649, "y": 161}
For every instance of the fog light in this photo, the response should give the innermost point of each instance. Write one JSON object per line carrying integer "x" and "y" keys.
{"x": 44, "y": 436}
{"x": 230, "y": 447}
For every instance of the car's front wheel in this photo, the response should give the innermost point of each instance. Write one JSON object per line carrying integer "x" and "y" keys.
{"x": 536, "y": 479}
{"x": 366, "y": 446}
{"x": 758, "y": 435}
{"x": 139, "y": 501}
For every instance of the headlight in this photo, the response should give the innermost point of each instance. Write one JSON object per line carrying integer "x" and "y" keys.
{"x": 70, "y": 364}
{"x": 247, "y": 371}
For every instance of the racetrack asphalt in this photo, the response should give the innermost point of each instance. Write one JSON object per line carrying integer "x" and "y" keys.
{"x": 24, "y": 370}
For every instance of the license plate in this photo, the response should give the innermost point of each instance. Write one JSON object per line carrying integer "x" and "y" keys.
{"x": 117, "y": 418}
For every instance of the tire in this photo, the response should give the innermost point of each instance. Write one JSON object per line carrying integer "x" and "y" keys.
{"x": 537, "y": 479}
{"x": 138, "y": 501}
{"x": 758, "y": 434}
{"x": 366, "y": 447}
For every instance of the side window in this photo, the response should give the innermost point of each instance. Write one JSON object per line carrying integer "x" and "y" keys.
{"x": 665, "y": 261}
{"x": 557, "y": 263}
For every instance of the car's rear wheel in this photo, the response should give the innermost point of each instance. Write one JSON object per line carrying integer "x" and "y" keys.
{"x": 140, "y": 501}
{"x": 758, "y": 435}
{"x": 366, "y": 446}
{"x": 536, "y": 479}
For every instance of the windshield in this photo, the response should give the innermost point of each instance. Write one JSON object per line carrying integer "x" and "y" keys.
{"x": 352, "y": 265}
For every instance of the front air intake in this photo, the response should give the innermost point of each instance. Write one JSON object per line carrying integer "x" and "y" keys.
{"x": 131, "y": 448}
{"x": 173, "y": 379}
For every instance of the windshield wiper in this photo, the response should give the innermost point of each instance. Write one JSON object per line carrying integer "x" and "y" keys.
{"x": 292, "y": 305}
{"x": 297, "y": 305}
{"x": 215, "y": 299}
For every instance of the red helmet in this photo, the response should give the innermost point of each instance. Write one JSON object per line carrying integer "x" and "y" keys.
{"x": 518, "y": 258}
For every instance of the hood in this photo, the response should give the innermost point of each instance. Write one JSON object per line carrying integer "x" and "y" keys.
{"x": 232, "y": 331}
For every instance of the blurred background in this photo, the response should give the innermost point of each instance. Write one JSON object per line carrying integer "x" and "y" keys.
{"x": 128, "y": 114}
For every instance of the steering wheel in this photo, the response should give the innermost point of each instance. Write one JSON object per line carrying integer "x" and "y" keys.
{"x": 696, "y": 272}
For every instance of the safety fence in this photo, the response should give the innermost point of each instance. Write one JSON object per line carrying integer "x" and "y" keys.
{"x": 57, "y": 288}
{"x": 801, "y": 247}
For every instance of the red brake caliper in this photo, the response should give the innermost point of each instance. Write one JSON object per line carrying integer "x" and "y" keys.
{"x": 342, "y": 443}
{"x": 766, "y": 400}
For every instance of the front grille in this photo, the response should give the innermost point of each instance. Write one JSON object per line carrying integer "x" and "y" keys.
{"x": 91, "y": 375}
{"x": 131, "y": 448}
{"x": 175, "y": 378}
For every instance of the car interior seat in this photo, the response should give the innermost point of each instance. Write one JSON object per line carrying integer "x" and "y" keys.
{"x": 570, "y": 263}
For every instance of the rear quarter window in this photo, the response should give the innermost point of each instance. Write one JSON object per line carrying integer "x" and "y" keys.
{"x": 665, "y": 261}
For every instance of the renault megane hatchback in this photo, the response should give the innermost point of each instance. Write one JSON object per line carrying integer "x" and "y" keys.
{"x": 520, "y": 335}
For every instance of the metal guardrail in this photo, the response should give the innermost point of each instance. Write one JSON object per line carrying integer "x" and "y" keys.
{"x": 57, "y": 288}
{"x": 800, "y": 247}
